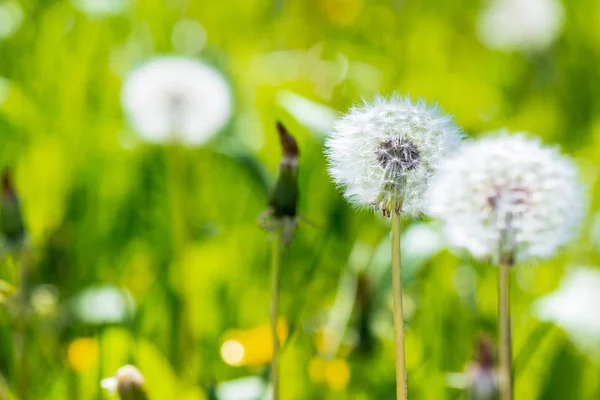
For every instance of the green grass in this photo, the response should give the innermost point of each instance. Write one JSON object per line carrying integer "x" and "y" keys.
{"x": 104, "y": 208}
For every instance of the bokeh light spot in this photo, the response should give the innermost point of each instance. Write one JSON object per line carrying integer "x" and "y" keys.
{"x": 232, "y": 352}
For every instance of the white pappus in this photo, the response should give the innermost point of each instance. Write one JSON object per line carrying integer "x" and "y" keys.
{"x": 507, "y": 198}
{"x": 383, "y": 153}
{"x": 176, "y": 99}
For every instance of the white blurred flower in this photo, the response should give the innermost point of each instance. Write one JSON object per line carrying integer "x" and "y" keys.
{"x": 104, "y": 305}
{"x": 176, "y": 99}
{"x": 383, "y": 153}
{"x": 507, "y": 196}
{"x": 526, "y": 25}
{"x": 101, "y": 7}
{"x": 128, "y": 382}
{"x": 574, "y": 306}
{"x": 241, "y": 389}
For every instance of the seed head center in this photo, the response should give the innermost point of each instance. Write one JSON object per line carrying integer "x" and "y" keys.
{"x": 398, "y": 155}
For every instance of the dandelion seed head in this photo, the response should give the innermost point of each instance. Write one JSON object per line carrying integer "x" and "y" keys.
{"x": 383, "y": 153}
{"x": 507, "y": 196}
{"x": 176, "y": 99}
{"x": 526, "y": 25}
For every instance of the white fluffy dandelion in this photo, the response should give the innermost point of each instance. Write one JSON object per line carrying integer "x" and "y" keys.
{"x": 507, "y": 196}
{"x": 526, "y": 25}
{"x": 383, "y": 153}
{"x": 176, "y": 99}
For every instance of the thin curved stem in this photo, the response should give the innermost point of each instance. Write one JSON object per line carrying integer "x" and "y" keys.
{"x": 401, "y": 388}
{"x": 506, "y": 388}
{"x": 275, "y": 264}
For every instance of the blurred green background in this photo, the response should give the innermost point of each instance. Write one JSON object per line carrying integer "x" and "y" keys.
{"x": 137, "y": 261}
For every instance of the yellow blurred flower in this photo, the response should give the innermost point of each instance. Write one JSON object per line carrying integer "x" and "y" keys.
{"x": 335, "y": 373}
{"x": 316, "y": 369}
{"x": 251, "y": 346}
{"x": 342, "y": 12}
{"x": 82, "y": 353}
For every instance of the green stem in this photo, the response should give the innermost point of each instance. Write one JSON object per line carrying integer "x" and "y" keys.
{"x": 275, "y": 264}
{"x": 401, "y": 388}
{"x": 181, "y": 340}
{"x": 505, "y": 377}
{"x": 99, "y": 335}
{"x": 22, "y": 325}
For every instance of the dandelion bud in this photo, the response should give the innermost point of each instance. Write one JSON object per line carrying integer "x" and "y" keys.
{"x": 482, "y": 380}
{"x": 284, "y": 197}
{"x": 11, "y": 220}
{"x": 507, "y": 198}
{"x": 128, "y": 382}
{"x": 283, "y": 200}
{"x": 384, "y": 153}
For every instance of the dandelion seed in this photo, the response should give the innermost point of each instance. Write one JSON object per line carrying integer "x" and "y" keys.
{"x": 507, "y": 197}
{"x": 527, "y": 25}
{"x": 383, "y": 153}
{"x": 176, "y": 99}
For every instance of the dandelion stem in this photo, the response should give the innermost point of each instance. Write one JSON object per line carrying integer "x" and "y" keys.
{"x": 506, "y": 389}
{"x": 275, "y": 263}
{"x": 401, "y": 389}
{"x": 22, "y": 325}
{"x": 180, "y": 339}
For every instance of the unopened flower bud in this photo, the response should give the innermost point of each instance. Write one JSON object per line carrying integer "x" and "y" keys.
{"x": 128, "y": 382}
{"x": 283, "y": 200}
{"x": 481, "y": 375}
{"x": 11, "y": 220}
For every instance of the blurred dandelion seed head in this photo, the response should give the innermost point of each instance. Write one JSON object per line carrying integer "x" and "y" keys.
{"x": 383, "y": 153}
{"x": 574, "y": 307}
{"x": 507, "y": 195}
{"x": 526, "y": 25}
{"x": 176, "y": 99}
{"x": 104, "y": 305}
